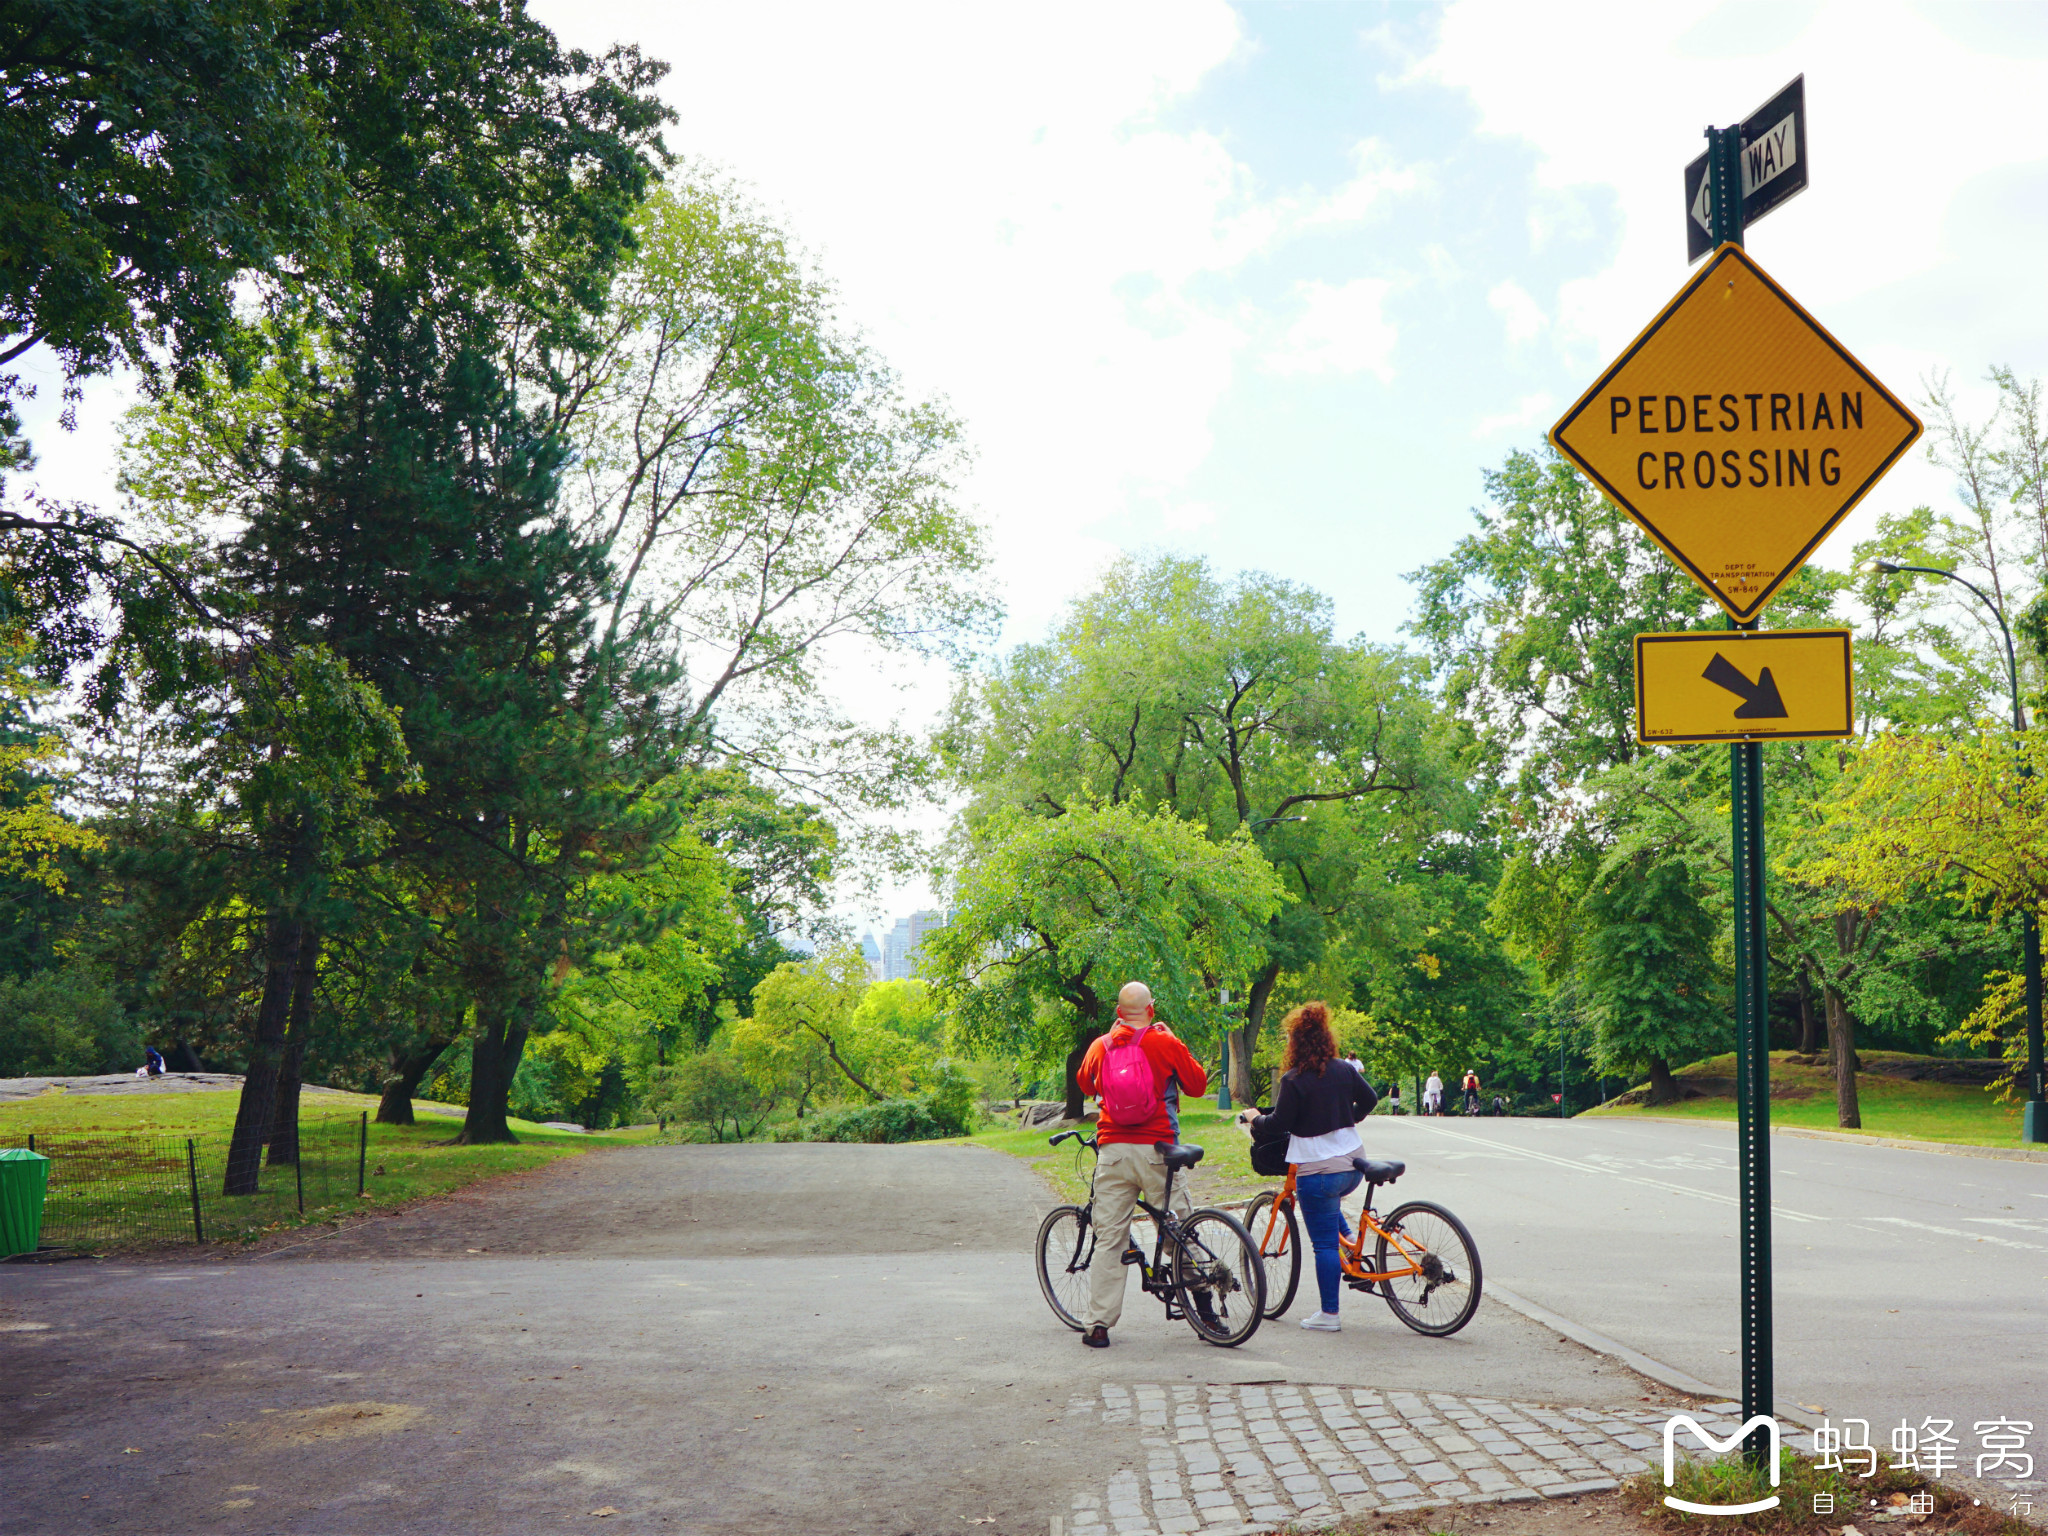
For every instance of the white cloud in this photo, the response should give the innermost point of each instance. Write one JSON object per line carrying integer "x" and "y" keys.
{"x": 1521, "y": 315}
{"x": 1537, "y": 410}
{"x": 1342, "y": 329}
{"x": 1377, "y": 181}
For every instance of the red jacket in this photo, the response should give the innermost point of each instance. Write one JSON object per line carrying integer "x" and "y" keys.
{"x": 1168, "y": 1057}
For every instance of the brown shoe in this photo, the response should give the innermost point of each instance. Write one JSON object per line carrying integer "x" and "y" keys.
{"x": 1096, "y": 1337}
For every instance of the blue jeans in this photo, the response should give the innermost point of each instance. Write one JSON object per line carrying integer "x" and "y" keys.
{"x": 1321, "y": 1196}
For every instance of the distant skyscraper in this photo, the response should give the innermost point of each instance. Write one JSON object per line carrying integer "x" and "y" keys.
{"x": 901, "y": 944}
{"x": 872, "y": 953}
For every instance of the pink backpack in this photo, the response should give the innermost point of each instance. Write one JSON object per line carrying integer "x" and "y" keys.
{"x": 1130, "y": 1088}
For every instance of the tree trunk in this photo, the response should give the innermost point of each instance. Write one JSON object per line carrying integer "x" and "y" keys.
{"x": 1254, "y": 1021}
{"x": 284, "y": 1113}
{"x": 1663, "y": 1086}
{"x": 1811, "y": 1036}
{"x": 407, "y": 1068}
{"x": 493, "y": 1059}
{"x": 182, "y": 1058}
{"x": 1842, "y": 1043}
{"x": 1074, "y": 1104}
{"x": 1239, "y": 1066}
{"x": 282, "y": 935}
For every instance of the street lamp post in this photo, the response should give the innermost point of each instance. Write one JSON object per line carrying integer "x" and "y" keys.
{"x": 2034, "y": 1118}
{"x": 1223, "y": 1073}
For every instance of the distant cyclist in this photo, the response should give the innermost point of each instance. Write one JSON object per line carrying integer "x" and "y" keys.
{"x": 1471, "y": 1092}
{"x": 1433, "y": 1095}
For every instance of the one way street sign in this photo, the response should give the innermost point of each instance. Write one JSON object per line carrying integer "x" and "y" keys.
{"x": 1739, "y": 685}
{"x": 1773, "y": 167}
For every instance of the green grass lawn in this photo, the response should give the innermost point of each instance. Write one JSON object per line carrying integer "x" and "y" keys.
{"x": 135, "y": 1144}
{"x": 1890, "y": 1106}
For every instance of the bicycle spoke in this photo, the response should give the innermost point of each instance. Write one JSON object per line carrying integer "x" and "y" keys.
{"x": 1217, "y": 1275}
{"x": 1441, "y": 1290}
{"x": 1065, "y": 1251}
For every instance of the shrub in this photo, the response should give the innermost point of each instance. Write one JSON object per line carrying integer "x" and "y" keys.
{"x": 64, "y": 1023}
{"x": 711, "y": 1090}
{"x": 948, "y": 1110}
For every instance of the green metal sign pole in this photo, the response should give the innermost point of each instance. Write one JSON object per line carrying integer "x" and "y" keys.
{"x": 1752, "y": 994}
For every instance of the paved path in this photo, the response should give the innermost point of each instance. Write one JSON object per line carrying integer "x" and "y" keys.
{"x": 1909, "y": 1284}
{"x": 811, "y": 1339}
{"x": 758, "y": 1339}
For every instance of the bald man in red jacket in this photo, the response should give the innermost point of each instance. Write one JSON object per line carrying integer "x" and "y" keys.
{"x": 1127, "y": 1162}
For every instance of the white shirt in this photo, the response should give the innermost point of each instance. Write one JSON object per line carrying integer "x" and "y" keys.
{"x": 1343, "y": 1142}
{"x": 1434, "y": 1085}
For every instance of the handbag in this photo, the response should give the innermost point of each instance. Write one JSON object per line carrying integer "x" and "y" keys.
{"x": 1269, "y": 1157}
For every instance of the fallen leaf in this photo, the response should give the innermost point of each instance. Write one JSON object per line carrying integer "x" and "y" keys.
{"x": 760, "y": 1415}
{"x": 133, "y": 1450}
{"x": 604, "y": 1511}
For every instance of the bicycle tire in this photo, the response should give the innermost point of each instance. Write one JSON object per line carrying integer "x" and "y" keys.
{"x": 1216, "y": 1262}
{"x": 1066, "y": 1243}
{"x": 1442, "y": 1299}
{"x": 1279, "y": 1245}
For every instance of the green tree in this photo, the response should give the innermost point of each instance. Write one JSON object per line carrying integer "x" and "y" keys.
{"x": 1647, "y": 977}
{"x": 1233, "y": 706}
{"x": 1052, "y": 914}
{"x": 710, "y": 1088}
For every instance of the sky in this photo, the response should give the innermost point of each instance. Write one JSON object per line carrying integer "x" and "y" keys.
{"x": 1275, "y": 284}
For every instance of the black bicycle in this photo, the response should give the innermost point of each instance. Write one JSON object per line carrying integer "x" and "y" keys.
{"x": 1204, "y": 1266}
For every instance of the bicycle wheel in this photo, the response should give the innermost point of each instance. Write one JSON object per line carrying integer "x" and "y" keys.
{"x": 1218, "y": 1278}
{"x": 1441, "y": 1298}
{"x": 1066, "y": 1242}
{"x": 1278, "y": 1236}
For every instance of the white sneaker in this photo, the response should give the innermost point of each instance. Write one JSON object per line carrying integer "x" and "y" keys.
{"x": 1323, "y": 1322}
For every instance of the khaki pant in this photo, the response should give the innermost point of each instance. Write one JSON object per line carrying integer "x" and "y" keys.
{"x": 1123, "y": 1172}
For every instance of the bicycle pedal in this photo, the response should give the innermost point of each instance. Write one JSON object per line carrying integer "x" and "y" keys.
{"x": 1132, "y": 1256}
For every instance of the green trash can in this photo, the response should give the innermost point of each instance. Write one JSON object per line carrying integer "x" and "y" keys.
{"x": 24, "y": 1176}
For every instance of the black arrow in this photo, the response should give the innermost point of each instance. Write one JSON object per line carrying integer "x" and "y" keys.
{"x": 1760, "y": 699}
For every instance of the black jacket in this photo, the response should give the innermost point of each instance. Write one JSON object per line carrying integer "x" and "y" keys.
{"x": 1315, "y": 1105}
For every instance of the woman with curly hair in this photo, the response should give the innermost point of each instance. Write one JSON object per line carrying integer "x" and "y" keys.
{"x": 1321, "y": 1100}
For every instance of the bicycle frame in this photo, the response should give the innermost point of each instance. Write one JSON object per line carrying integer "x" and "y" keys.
{"x": 1166, "y": 1227}
{"x": 1350, "y": 1251}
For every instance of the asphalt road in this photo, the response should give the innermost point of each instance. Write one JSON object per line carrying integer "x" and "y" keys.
{"x": 1908, "y": 1284}
{"x": 756, "y": 1339}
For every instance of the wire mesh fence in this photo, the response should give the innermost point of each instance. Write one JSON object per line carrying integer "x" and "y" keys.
{"x": 126, "y": 1189}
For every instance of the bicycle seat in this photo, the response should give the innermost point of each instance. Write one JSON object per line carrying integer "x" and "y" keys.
{"x": 1379, "y": 1170}
{"x": 1177, "y": 1156}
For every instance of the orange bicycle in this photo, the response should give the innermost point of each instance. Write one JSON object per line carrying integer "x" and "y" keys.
{"x": 1424, "y": 1262}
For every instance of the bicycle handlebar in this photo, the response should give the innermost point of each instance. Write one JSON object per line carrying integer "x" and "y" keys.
{"x": 1065, "y": 1135}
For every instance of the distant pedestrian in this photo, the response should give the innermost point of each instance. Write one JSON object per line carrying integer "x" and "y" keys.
{"x": 1500, "y": 1105}
{"x": 1433, "y": 1095}
{"x": 1394, "y": 1104}
{"x": 1471, "y": 1092}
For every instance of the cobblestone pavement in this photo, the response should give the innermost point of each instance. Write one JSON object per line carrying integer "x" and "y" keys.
{"x": 1227, "y": 1458}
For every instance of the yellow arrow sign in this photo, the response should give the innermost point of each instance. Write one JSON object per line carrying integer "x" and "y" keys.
{"x": 1736, "y": 431}
{"x": 1739, "y": 685}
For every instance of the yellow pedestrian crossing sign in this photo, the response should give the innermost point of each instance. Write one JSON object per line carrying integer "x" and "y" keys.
{"x": 1736, "y": 432}
{"x": 1741, "y": 685}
